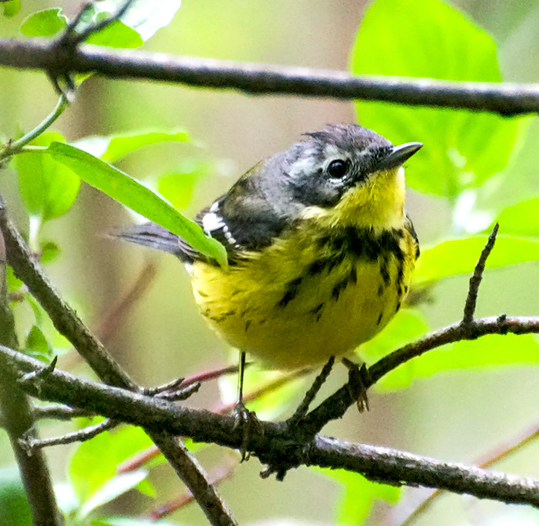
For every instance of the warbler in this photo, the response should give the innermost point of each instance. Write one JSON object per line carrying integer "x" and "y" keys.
{"x": 320, "y": 250}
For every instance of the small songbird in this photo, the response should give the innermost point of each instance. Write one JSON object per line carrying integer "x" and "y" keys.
{"x": 320, "y": 250}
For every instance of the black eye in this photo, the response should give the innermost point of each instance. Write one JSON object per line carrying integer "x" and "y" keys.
{"x": 337, "y": 168}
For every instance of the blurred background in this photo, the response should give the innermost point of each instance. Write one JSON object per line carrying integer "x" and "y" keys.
{"x": 454, "y": 417}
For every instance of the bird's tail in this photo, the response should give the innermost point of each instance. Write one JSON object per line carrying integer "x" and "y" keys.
{"x": 153, "y": 236}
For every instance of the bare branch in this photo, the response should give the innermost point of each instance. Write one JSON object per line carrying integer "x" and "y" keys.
{"x": 502, "y": 98}
{"x": 477, "y": 276}
{"x": 31, "y": 444}
{"x": 275, "y": 446}
{"x": 17, "y": 419}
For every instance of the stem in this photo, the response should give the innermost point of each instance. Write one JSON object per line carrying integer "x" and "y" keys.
{"x": 16, "y": 146}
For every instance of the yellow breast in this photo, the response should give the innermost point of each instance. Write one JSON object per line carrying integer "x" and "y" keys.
{"x": 304, "y": 299}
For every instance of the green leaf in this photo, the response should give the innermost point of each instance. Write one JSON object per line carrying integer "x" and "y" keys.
{"x": 407, "y": 326}
{"x": 11, "y": 8}
{"x": 49, "y": 251}
{"x": 130, "y": 521}
{"x": 14, "y": 508}
{"x": 429, "y": 39}
{"x": 44, "y": 23}
{"x": 134, "y": 195}
{"x": 143, "y": 16}
{"x": 459, "y": 256}
{"x": 178, "y": 185}
{"x": 112, "y": 489}
{"x": 13, "y": 282}
{"x": 95, "y": 461}
{"x": 47, "y": 187}
{"x": 521, "y": 219}
{"x": 484, "y": 353}
{"x": 37, "y": 345}
{"x": 116, "y": 35}
{"x": 115, "y": 147}
{"x": 358, "y": 495}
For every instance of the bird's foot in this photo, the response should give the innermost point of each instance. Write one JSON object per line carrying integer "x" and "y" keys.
{"x": 250, "y": 425}
{"x": 359, "y": 381}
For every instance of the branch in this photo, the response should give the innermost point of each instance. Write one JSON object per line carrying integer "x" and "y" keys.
{"x": 18, "y": 421}
{"x": 275, "y": 445}
{"x": 502, "y": 98}
{"x": 69, "y": 325}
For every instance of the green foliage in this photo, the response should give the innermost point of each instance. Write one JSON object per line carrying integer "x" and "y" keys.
{"x": 47, "y": 187}
{"x": 430, "y": 39}
{"x": 358, "y": 495}
{"x": 44, "y": 23}
{"x": 92, "y": 470}
{"x": 133, "y": 194}
{"x": 11, "y": 8}
{"x": 14, "y": 508}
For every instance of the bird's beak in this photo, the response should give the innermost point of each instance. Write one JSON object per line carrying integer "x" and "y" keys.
{"x": 399, "y": 155}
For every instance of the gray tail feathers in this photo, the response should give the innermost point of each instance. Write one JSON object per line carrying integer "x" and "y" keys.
{"x": 153, "y": 236}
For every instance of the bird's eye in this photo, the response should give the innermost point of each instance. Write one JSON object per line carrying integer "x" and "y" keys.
{"x": 337, "y": 168}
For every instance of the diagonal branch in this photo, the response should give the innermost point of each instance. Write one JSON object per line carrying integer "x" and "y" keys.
{"x": 502, "y": 98}
{"x": 69, "y": 324}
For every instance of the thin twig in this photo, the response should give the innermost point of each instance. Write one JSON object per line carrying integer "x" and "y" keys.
{"x": 502, "y": 98}
{"x": 31, "y": 444}
{"x": 477, "y": 276}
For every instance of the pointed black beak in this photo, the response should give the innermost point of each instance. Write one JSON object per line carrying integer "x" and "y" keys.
{"x": 399, "y": 155}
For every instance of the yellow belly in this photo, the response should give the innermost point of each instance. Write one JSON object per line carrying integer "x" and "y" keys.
{"x": 289, "y": 313}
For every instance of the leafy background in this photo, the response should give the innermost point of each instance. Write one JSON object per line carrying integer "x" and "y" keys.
{"x": 473, "y": 168}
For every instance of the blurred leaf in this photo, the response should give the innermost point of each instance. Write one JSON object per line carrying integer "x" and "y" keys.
{"x": 429, "y": 39}
{"x": 95, "y": 461}
{"x": 146, "y": 488}
{"x": 178, "y": 185}
{"x": 47, "y": 187}
{"x": 521, "y": 219}
{"x": 14, "y": 508}
{"x": 407, "y": 326}
{"x": 11, "y": 8}
{"x": 112, "y": 489}
{"x": 37, "y": 345}
{"x": 66, "y": 498}
{"x": 459, "y": 256}
{"x": 144, "y": 16}
{"x": 484, "y": 353}
{"x": 115, "y": 147}
{"x": 13, "y": 282}
{"x": 116, "y": 35}
{"x": 358, "y": 495}
{"x": 49, "y": 252}
{"x": 36, "y": 309}
{"x": 134, "y": 195}
{"x": 44, "y": 23}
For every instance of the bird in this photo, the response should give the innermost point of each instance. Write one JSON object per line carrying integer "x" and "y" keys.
{"x": 320, "y": 250}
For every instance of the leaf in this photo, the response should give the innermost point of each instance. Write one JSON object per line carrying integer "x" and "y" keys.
{"x": 14, "y": 510}
{"x": 47, "y": 187}
{"x": 49, "y": 251}
{"x": 44, "y": 23}
{"x": 112, "y": 489}
{"x": 11, "y": 8}
{"x": 130, "y": 521}
{"x": 115, "y": 147}
{"x": 429, "y": 39}
{"x": 116, "y": 35}
{"x": 358, "y": 495}
{"x": 459, "y": 256}
{"x": 134, "y": 195}
{"x": 178, "y": 185}
{"x": 143, "y": 16}
{"x": 13, "y": 282}
{"x": 37, "y": 345}
{"x": 95, "y": 461}
{"x": 521, "y": 219}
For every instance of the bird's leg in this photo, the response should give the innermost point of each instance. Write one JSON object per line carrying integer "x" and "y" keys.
{"x": 358, "y": 382}
{"x": 302, "y": 409}
{"x": 245, "y": 419}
